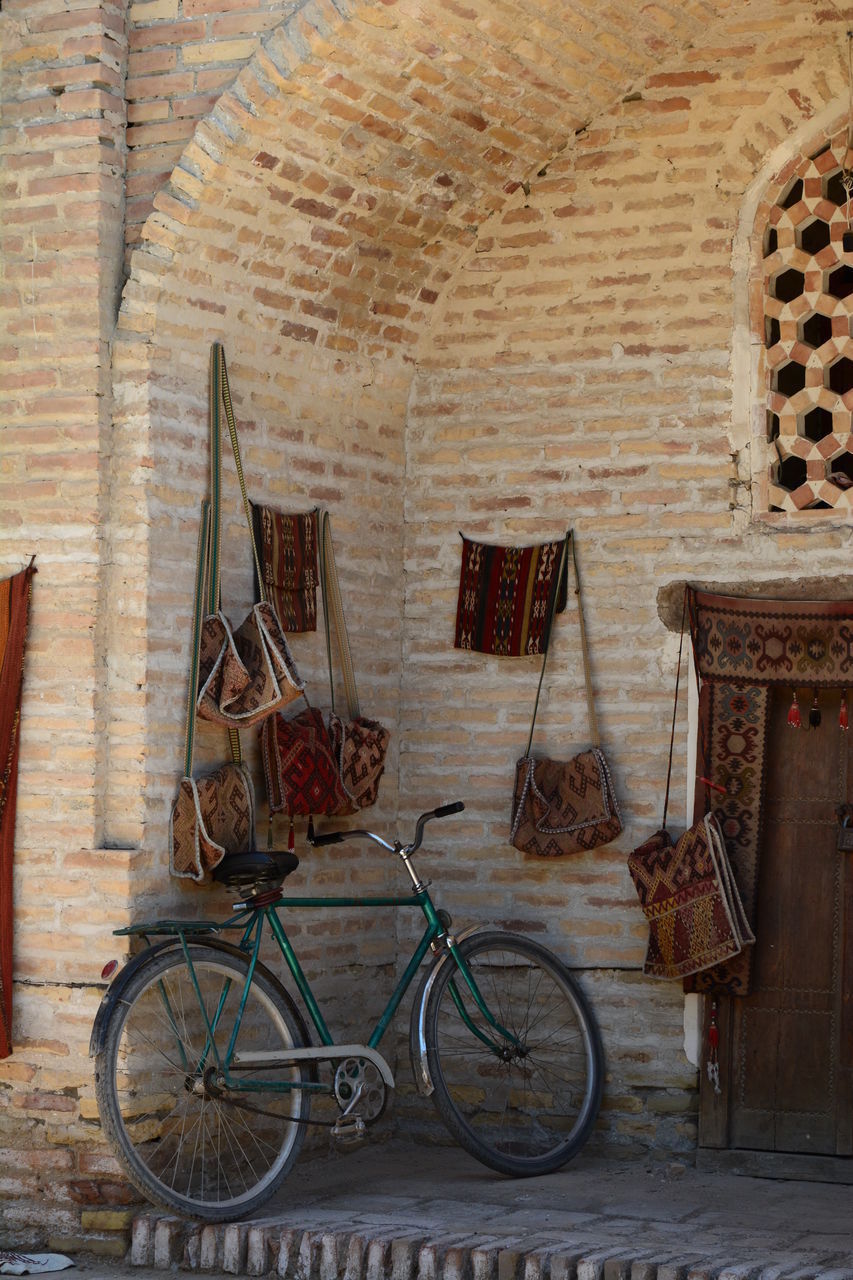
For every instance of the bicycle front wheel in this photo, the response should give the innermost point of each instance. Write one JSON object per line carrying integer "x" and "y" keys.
{"x": 526, "y": 1105}
{"x": 187, "y": 1140}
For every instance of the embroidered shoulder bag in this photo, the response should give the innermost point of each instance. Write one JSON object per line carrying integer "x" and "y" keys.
{"x": 564, "y": 806}
{"x": 247, "y": 672}
{"x": 687, "y": 889}
{"x": 215, "y": 814}
{"x": 312, "y": 768}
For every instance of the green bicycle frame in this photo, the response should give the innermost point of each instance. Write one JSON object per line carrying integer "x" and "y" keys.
{"x": 250, "y": 944}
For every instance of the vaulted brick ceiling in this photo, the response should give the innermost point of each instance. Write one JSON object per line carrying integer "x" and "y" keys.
{"x": 375, "y": 145}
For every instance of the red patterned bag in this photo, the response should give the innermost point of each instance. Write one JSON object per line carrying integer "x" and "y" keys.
{"x": 690, "y": 899}
{"x": 312, "y": 768}
{"x": 686, "y": 887}
{"x": 301, "y": 767}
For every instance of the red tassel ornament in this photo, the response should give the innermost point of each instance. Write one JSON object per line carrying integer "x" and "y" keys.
{"x": 713, "y": 1063}
{"x": 794, "y": 718}
{"x": 843, "y": 721}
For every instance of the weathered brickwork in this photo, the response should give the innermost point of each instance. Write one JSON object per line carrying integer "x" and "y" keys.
{"x": 61, "y": 230}
{"x": 472, "y": 271}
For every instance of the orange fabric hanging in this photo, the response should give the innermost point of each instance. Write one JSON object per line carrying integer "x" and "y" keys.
{"x": 14, "y": 613}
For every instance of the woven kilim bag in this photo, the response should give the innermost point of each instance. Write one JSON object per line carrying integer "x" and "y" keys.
{"x": 564, "y": 806}
{"x": 211, "y": 816}
{"x": 215, "y": 814}
{"x": 690, "y": 899}
{"x": 300, "y": 766}
{"x": 359, "y": 748}
{"x": 245, "y": 673}
{"x": 315, "y": 768}
{"x": 359, "y": 744}
{"x": 686, "y": 887}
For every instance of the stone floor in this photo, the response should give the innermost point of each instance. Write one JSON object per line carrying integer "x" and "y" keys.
{"x": 397, "y": 1211}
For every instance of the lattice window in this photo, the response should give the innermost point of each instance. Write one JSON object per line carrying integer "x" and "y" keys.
{"x": 808, "y": 322}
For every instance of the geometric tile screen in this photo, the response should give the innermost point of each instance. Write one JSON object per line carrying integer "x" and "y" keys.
{"x": 808, "y": 307}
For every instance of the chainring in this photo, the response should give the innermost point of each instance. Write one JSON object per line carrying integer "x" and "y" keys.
{"x": 355, "y": 1072}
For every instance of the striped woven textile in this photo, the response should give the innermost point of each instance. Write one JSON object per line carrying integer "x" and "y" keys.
{"x": 287, "y": 545}
{"x": 505, "y": 596}
{"x": 14, "y": 611}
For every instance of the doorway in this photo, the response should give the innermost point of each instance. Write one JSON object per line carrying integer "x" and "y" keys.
{"x": 786, "y": 1050}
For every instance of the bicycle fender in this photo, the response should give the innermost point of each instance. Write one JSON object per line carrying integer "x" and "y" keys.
{"x": 417, "y": 1023}
{"x": 119, "y": 984}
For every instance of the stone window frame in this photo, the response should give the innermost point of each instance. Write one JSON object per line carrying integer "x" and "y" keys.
{"x": 809, "y": 424}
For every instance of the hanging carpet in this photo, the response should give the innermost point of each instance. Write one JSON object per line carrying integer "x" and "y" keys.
{"x": 14, "y": 611}
{"x": 742, "y": 647}
{"x": 505, "y": 596}
{"x": 288, "y": 556}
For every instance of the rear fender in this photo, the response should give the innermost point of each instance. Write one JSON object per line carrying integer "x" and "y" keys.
{"x": 118, "y": 986}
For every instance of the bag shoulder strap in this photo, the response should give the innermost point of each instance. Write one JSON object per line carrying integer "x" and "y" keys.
{"x": 219, "y": 392}
{"x": 333, "y": 607}
{"x": 202, "y": 570}
{"x": 568, "y": 546}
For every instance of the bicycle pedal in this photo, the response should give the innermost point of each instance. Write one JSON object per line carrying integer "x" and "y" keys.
{"x": 349, "y": 1132}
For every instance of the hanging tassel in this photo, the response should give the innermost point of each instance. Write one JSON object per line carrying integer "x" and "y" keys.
{"x": 794, "y": 713}
{"x": 269, "y": 833}
{"x": 842, "y": 714}
{"x": 309, "y": 834}
{"x": 814, "y": 713}
{"x": 291, "y": 838}
{"x": 713, "y": 1063}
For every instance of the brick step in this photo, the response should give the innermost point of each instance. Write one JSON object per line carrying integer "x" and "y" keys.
{"x": 266, "y": 1248}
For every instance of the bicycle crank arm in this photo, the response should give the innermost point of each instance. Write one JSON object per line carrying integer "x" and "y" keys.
{"x": 314, "y": 1053}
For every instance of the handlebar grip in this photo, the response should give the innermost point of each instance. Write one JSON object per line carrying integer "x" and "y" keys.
{"x": 445, "y": 810}
{"x": 330, "y": 837}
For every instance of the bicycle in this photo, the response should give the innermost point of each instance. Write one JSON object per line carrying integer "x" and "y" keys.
{"x": 205, "y": 1070}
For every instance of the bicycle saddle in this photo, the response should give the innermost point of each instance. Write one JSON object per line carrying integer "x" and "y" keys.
{"x": 257, "y": 867}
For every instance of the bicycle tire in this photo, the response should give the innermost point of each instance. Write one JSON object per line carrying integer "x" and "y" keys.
{"x": 532, "y": 1113}
{"x": 184, "y": 1142}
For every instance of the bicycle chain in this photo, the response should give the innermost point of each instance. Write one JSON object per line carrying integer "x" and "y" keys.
{"x": 220, "y": 1096}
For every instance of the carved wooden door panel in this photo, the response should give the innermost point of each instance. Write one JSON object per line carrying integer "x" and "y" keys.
{"x": 787, "y": 1049}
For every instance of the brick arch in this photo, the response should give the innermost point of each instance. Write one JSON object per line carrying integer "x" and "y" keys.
{"x": 312, "y": 222}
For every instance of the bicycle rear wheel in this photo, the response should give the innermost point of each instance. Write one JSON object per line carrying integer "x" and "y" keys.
{"x": 187, "y": 1141}
{"x": 524, "y": 1109}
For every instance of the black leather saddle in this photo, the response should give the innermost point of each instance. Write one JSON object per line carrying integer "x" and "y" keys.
{"x": 261, "y": 868}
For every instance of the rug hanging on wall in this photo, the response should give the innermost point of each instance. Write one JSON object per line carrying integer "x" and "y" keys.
{"x": 14, "y": 613}
{"x": 288, "y": 553}
{"x": 505, "y": 596}
{"x": 742, "y": 647}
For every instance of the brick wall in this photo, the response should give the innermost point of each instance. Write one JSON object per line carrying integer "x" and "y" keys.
{"x": 580, "y": 366}
{"x": 60, "y": 242}
{"x": 468, "y": 276}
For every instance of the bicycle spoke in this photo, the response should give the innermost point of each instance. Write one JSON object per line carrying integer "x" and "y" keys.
{"x": 532, "y": 1098}
{"x": 182, "y": 1133}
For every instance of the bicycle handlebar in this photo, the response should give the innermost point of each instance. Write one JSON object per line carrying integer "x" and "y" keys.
{"x": 338, "y": 837}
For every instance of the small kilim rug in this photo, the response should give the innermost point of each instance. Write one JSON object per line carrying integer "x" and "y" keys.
{"x": 287, "y": 546}
{"x": 505, "y": 596}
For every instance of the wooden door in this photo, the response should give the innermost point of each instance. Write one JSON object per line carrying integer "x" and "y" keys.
{"x": 787, "y": 1049}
